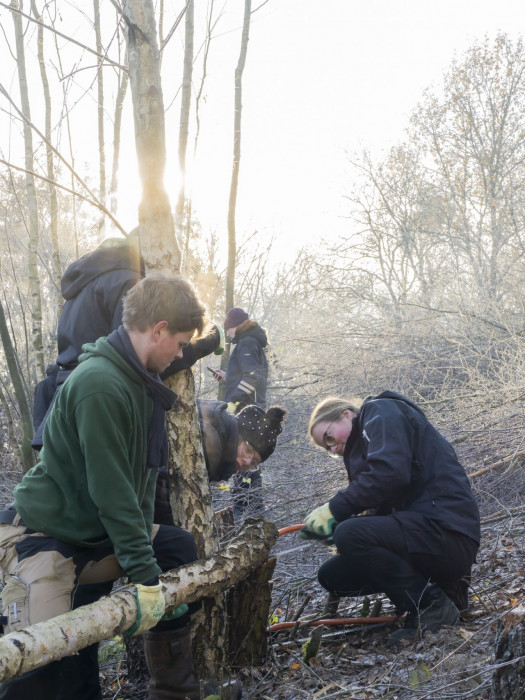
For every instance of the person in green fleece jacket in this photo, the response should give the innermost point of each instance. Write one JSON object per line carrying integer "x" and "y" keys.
{"x": 84, "y": 513}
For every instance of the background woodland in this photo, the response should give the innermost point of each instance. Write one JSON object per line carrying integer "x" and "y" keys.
{"x": 425, "y": 295}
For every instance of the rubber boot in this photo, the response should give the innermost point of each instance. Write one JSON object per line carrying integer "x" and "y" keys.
{"x": 170, "y": 664}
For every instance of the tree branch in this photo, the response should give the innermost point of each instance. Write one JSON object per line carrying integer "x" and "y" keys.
{"x": 64, "y": 635}
{"x": 64, "y": 36}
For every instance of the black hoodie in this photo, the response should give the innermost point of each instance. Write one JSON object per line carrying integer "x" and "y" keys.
{"x": 93, "y": 288}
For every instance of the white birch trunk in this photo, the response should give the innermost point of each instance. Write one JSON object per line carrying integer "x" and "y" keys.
{"x": 64, "y": 635}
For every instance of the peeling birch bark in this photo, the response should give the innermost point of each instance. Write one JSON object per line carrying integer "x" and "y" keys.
{"x": 64, "y": 635}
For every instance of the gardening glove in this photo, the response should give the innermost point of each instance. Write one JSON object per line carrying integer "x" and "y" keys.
{"x": 320, "y": 521}
{"x": 327, "y": 540}
{"x": 222, "y": 340}
{"x": 174, "y": 614}
{"x": 232, "y": 406}
{"x": 150, "y": 608}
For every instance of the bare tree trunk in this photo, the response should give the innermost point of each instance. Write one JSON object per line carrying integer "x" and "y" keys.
{"x": 160, "y": 248}
{"x": 26, "y": 453}
{"x": 100, "y": 118}
{"x": 64, "y": 635}
{"x": 53, "y": 199}
{"x": 117, "y": 123}
{"x": 184, "y": 126}
{"x": 34, "y": 283}
{"x": 232, "y": 243}
{"x": 63, "y": 82}
{"x": 193, "y": 510}
{"x": 192, "y": 506}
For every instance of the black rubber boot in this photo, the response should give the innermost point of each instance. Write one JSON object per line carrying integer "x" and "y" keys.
{"x": 170, "y": 664}
{"x": 434, "y": 611}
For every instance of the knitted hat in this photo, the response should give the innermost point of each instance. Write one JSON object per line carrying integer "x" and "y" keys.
{"x": 235, "y": 317}
{"x": 260, "y": 429}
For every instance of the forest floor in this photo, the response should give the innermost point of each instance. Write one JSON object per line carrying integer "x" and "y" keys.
{"x": 355, "y": 662}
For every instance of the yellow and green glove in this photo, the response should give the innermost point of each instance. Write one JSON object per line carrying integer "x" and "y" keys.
{"x": 174, "y": 614}
{"x": 150, "y": 608}
{"x": 320, "y": 522}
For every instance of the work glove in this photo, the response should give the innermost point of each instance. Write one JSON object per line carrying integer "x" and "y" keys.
{"x": 327, "y": 540}
{"x": 150, "y": 608}
{"x": 232, "y": 407}
{"x": 320, "y": 521}
{"x": 222, "y": 340}
{"x": 174, "y": 614}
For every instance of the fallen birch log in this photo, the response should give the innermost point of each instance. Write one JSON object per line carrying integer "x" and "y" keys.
{"x": 64, "y": 635}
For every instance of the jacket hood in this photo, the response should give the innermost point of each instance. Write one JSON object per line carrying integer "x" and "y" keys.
{"x": 397, "y": 397}
{"x": 114, "y": 254}
{"x": 253, "y": 330}
{"x": 103, "y": 348}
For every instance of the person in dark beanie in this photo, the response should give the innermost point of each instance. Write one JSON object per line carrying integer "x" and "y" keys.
{"x": 246, "y": 375}
{"x": 233, "y": 445}
{"x": 420, "y": 541}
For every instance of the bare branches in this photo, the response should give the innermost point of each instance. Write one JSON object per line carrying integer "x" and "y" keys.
{"x": 102, "y": 57}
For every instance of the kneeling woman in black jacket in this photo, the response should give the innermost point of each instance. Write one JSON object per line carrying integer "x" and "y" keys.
{"x": 419, "y": 545}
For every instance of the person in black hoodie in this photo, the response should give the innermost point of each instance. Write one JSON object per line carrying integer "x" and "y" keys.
{"x": 420, "y": 541}
{"x": 93, "y": 288}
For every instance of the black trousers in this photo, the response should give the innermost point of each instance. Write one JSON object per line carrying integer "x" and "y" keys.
{"x": 76, "y": 677}
{"x": 373, "y": 557}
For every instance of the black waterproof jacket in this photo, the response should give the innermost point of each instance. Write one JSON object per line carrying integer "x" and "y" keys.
{"x": 93, "y": 287}
{"x": 247, "y": 370}
{"x": 398, "y": 463}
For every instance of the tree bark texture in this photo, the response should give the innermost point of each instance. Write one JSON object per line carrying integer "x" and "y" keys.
{"x": 64, "y": 635}
{"x": 508, "y": 681}
{"x": 192, "y": 508}
{"x": 161, "y": 251}
{"x": 248, "y": 638}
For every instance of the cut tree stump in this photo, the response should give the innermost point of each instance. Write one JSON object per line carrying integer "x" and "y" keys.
{"x": 248, "y": 607}
{"x": 508, "y": 680}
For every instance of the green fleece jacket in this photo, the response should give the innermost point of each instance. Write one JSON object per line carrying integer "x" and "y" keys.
{"x": 91, "y": 486}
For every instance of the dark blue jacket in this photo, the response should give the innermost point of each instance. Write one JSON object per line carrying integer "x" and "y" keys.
{"x": 399, "y": 464}
{"x": 247, "y": 370}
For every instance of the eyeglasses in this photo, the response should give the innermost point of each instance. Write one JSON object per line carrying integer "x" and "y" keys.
{"x": 328, "y": 440}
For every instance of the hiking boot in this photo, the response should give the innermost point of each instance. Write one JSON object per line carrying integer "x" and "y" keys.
{"x": 457, "y": 591}
{"x": 435, "y": 611}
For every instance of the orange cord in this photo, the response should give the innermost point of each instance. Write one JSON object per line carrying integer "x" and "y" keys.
{"x": 290, "y": 528}
{"x": 334, "y": 621}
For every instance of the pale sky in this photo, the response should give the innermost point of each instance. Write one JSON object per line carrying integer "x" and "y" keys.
{"x": 321, "y": 79}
